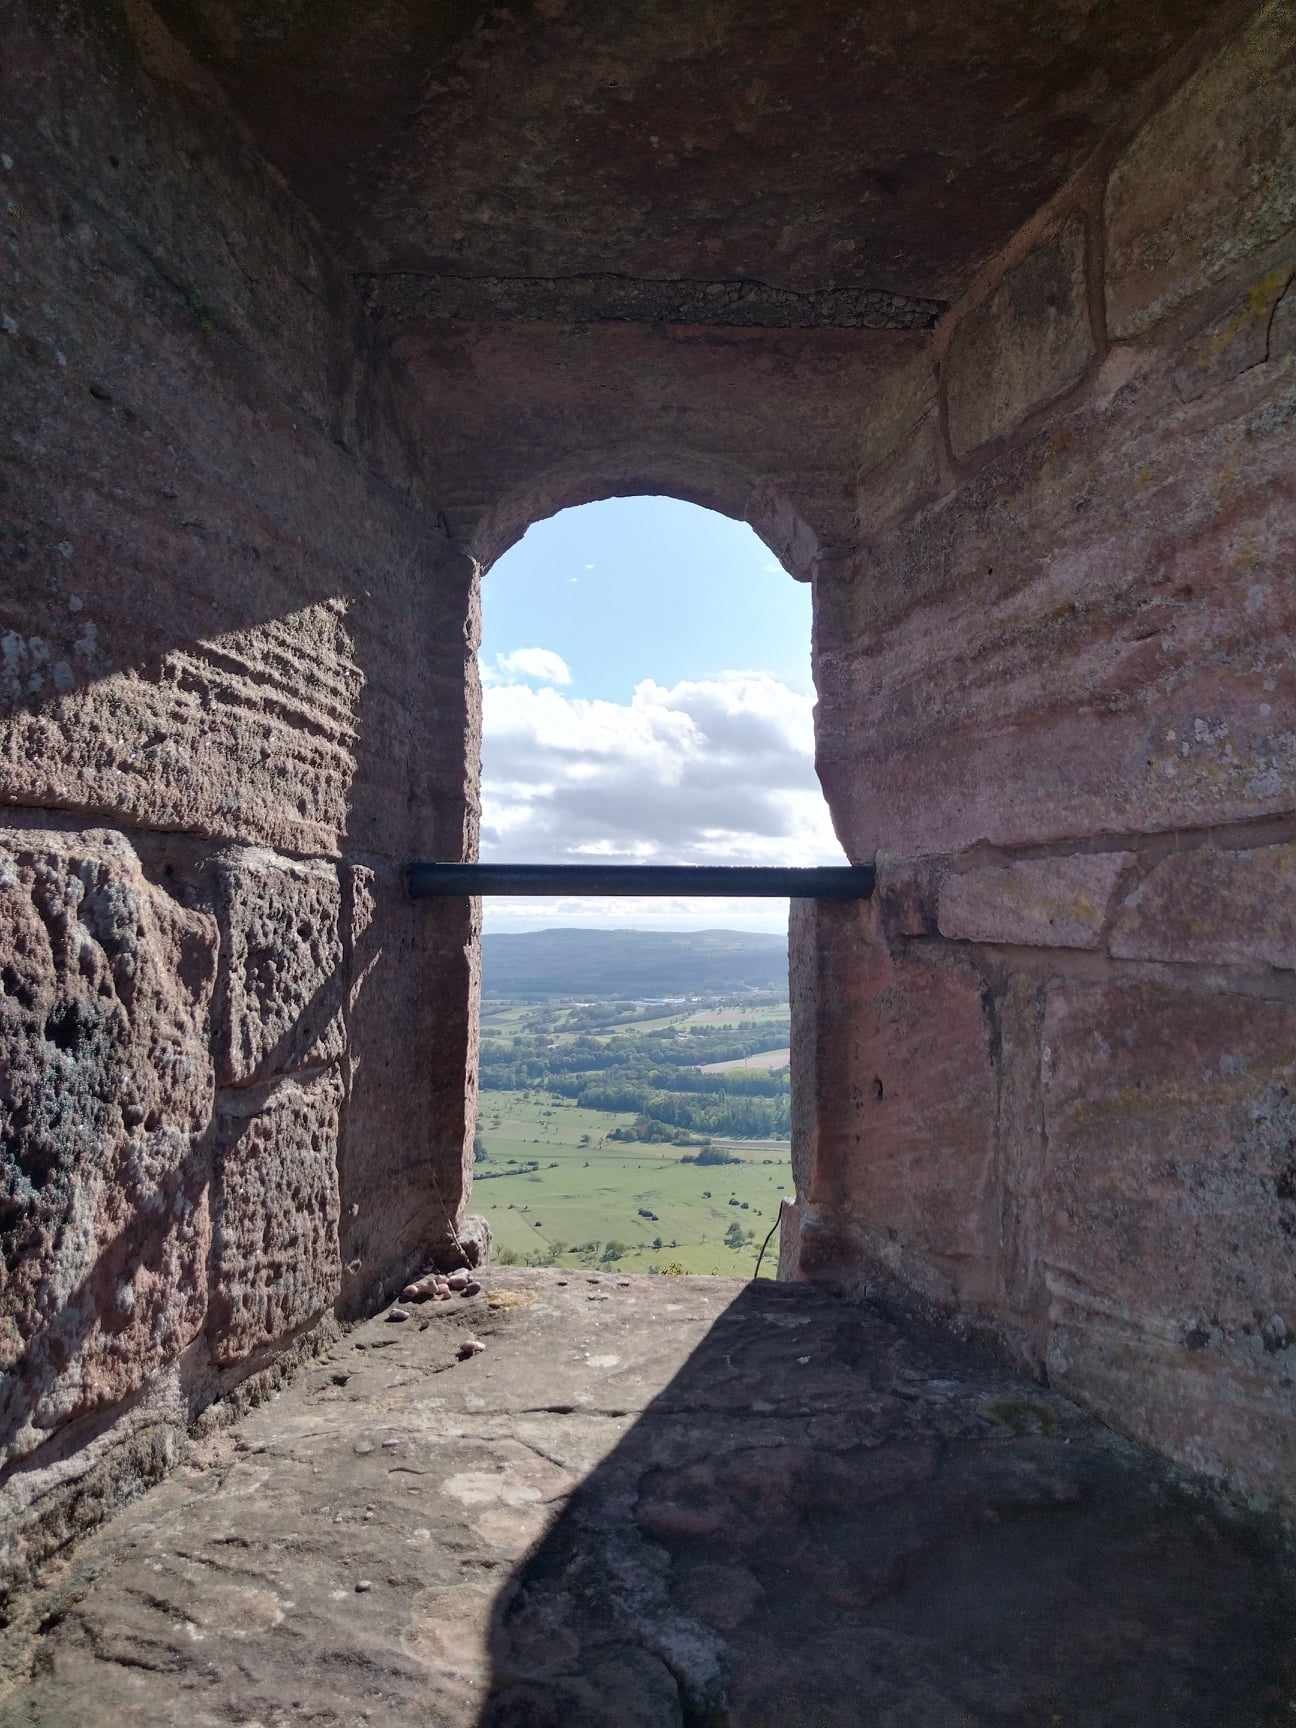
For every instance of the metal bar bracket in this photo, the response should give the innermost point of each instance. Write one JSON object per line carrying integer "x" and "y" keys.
{"x": 621, "y": 881}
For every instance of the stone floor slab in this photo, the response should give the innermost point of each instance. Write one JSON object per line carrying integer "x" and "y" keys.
{"x": 683, "y": 1501}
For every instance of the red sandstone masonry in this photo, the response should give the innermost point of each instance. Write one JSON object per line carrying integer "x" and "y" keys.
{"x": 229, "y": 624}
{"x": 1051, "y": 551}
{"x": 1052, "y": 668}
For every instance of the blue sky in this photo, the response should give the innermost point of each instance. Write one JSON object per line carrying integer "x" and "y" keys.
{"x": 647, "y": 693}
{"x": 648, "y": 588}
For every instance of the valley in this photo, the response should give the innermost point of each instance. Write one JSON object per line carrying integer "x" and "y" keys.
{"x": 642, "y": 1133}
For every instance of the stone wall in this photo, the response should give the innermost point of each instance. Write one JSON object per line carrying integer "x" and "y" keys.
{"x": 526, "y": 419}
{"x": 1044, "y": 1082}
{"x": 237, "y": 693}
{"x": 1053, "y": 1087}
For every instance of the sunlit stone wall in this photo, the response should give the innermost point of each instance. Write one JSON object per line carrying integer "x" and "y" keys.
{"x": 1053, "y": 1079}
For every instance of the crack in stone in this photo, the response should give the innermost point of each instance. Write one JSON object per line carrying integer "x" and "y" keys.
{"x": 1273, "y": 314}
{"x": 608, "y": 297}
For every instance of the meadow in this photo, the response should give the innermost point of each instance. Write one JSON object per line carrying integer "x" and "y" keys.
{"x": 558, "y": 1192}
{"x": 598, "y": 1099}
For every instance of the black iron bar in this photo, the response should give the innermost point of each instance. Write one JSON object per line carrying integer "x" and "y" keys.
{"x": 728, "y": 881}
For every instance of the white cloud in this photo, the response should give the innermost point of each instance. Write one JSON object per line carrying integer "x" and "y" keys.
{"x": 682, "y": 914}
{"x": 707, "y": 771}
{"x": 540, "y": 664}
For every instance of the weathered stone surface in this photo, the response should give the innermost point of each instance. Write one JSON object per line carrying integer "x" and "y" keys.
{"x": 1214, "y": 906}
{"x": 1169, "y": 1220}
{"x": 1282, "y": 324}
{"x": 406, "y": 1151}
{"x": 216, "y": 608}
{"x": 275, "y": 1257}
{"x": 789, "y": 1239}
{"x": 281, "y": 924}
{"x": 697, "y": 1500}
{"x": 889, "y": 417}
{"x": 603, "y": 297}
{"x": 1020, "y": 1305}
{"x": 1051, "y": 902}
{"x": 1249, "y": 333}
{"x": 1210, "y": 179}
{"x": 900, "y": 445}
{"x": 892, "y": 1127}
{"x": 105, "y": 1100}
{"x": 233, "y": 613}
{"x": 907, "y": 894}
{"x": 914, "y": 476}
{"x": 394, "y": 133}
{"x": 826, "y": 942}
{"x": 1029, "y": 341}
{"x": 229, "y": 613}
{"x": 1121, "y": 1213}
{"x": 473, "y": 1237}
{"x": 1095, "y": 635}
{"x": 759, "y": 424}
{"x": 225, "y": 705}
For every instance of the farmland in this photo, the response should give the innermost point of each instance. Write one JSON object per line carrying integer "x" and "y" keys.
{"x": 763, "y": 1059}
{"x": 551, "y": 1200}
{"x": 607, "y": 1137}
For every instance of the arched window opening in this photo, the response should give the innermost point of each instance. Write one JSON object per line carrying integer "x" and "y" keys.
{"x": 647, "y": 699}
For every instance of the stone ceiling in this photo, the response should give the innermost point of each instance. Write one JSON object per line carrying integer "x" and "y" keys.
{"x": 768, "y": 162}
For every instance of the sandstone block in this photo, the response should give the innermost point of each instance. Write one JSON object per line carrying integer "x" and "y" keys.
{"x": 1248, "y": 334}
{"x": 789, "y": 1239}
{"x": 907, "y": 894}
{"x": 272, "y": 688}
{"x": 828, "y": 944}
{"x": 1049, "y": 902}
{"x": 1234, "y": 1425}
{"x": 1233, "y": 908}
{"x": 275, "y": 1258}
{"x": 900, "y": 444}
{"x": 1029, "y": 341}
{"x": 474, "y": 1237}
{"x": 894, "y": 408}
{"x": 106, "y": 1091}
{"x": 913, "y": 476}
{"x": 1056, "y": 626}
{"x": 1019, "y": 1007}
{"x": 896, "y": 1136}
{"x": 1169, "y": 1218}
{"x": 1209, "y": 181}
{"x": 406, "y": 1154}
{"x": 281, "y": 923}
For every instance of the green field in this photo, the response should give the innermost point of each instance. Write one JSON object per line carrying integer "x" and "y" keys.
{"x": 585, "y": 1196}
{"x": 502, "y": 1018}
{"x": 758, "y": 1064}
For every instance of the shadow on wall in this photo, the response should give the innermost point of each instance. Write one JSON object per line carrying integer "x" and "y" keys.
{"x": 176, "y": 1161}
{"x": 821, "y": 1520}
{"x": 237, "y": 694}
{"x": 234, "y": 1061}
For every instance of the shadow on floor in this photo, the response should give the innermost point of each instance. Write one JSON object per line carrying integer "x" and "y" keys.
{"x": 822, "y": 1521}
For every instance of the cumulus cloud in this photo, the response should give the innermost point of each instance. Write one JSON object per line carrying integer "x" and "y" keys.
{"x": 541, "y": 665}
{"x": 504, "y": 914}
{"x": 713, "y": 770}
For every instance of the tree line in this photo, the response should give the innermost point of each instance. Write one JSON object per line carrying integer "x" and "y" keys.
{"x": 513, "y": 1064}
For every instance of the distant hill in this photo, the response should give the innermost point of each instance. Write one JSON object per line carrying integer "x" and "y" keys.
{"x": 631, "y": 963}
